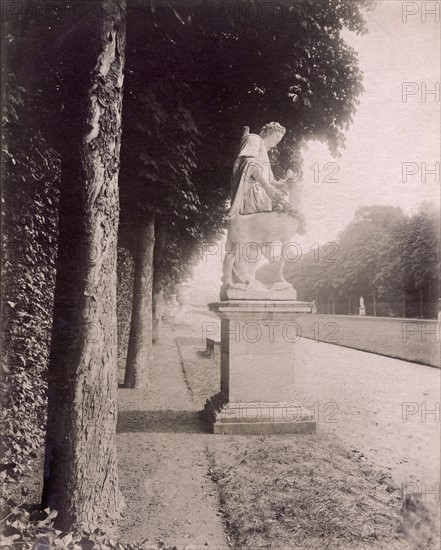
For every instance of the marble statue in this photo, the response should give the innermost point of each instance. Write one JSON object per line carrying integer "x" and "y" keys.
{"x": 261, "y": 216}
{"x": 361, "y": 301}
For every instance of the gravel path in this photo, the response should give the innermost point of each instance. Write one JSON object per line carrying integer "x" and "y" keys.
{"x": 375, "y": 405}
{"x": 163, "y": 464}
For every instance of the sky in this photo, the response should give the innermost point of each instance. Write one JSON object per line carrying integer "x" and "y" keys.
{"x": 396, "y": 129}
{"x": 387, "y": 131}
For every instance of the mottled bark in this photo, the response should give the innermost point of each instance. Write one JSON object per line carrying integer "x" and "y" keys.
{"x": 157, "y": 310}
{"x": 140, "y": 342}
{"x": 158, "y": 279}
{"x": 80, "y": 463}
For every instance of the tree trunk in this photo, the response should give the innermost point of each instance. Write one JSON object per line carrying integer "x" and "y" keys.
{"x": 375, "y": 305}
{"x": 157, "y": 309}
{"x": 158, "y": 279}
{"x": 80, "y": 461}
{"x": 421, "y": 303}
{"x": 404, "y": 305}
{"x": 140, "y": 341}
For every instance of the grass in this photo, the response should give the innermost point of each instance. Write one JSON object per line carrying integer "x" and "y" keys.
{"x": 281, "y": 492}
{"x": 404, "y": 339}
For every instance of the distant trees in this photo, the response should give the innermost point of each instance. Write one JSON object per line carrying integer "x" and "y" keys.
{"x": 382, "y": 255}
{"x": 420, "y": 261}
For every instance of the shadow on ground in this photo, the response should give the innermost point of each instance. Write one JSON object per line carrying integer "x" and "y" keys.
{"x": 160, "y": 422}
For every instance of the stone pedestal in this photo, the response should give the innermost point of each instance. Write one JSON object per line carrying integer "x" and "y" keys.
{"x": 361, "y": 311}
{"x": 258, "y": 351}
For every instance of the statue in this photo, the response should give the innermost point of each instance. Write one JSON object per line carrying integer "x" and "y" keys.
{"x": 261, "y": 214}
{"x": 361, "y": 309}
{"x": 361, "y": 301}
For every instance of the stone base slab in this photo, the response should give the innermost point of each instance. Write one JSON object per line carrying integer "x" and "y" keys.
{"x": 259, "y": 309}
{"x": 258, "y": 294}
{"x": 257, "y": 417}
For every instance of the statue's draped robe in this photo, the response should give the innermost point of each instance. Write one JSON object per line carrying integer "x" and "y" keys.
{"x": 247, "y": 194}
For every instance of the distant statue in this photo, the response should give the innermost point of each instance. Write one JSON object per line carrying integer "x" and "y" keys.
{"x": 361, "y": 309}
{"x": 314, "y": 306}
{"x": 261, "y": 213}
{"x": 361, "y": 301}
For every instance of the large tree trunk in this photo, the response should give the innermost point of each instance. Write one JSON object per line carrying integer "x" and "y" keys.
{"x": 80, "y": 462}
{"x": 140, "y": 342}
{"x": 158, "y": 279}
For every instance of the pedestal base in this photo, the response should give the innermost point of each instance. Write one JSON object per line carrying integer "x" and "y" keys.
{"x": 257, "y": 418}
{"x": 286, "y": 294}
{"x": 258, "y": 362}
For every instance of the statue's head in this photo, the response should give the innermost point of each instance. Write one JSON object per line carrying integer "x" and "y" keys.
{"x": 272, "y": 133}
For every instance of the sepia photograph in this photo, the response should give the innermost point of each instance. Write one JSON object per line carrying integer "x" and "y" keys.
{"x": 220, "y": 275}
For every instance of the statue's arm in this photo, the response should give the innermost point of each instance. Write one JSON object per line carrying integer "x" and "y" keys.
{"x": 286, "y": 184}
{"x": 282, "y": 185}
{"x": 275, "y": 189}
{"x": 273, "y": 193}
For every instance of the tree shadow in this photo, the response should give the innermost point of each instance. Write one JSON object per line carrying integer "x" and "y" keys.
{"x": 160, "y": 422}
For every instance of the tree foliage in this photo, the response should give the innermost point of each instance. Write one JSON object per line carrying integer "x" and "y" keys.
{"x": 29, "y": 244}
{"x": 197, "y": 73}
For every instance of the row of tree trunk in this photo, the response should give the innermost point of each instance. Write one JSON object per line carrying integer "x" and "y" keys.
{"x": 80, "y": 477}
{"x": 80, "y": 473}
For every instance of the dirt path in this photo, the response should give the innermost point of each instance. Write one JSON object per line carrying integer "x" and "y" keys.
{"x": 163, "y": 464}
